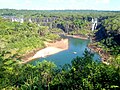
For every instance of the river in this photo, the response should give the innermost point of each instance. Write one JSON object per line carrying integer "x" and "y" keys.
{"x": 76, "y": 48}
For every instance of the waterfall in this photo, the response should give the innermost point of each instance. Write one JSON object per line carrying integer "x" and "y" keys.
{"x": 22, "y": 20}
{"x": 94, "y": 24}
{"x": 30, "y": 20}
{"x": 13, "y": 20}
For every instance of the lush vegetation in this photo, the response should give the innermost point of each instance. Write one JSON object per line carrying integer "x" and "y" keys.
{"x": 112, "y": 27}
{"x": 108, "y": 36}
{"x": 83, "y": 73}
{"x": 23, "y": 37}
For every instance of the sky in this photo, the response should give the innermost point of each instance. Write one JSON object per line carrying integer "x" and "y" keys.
{"x": 61, "y": 4}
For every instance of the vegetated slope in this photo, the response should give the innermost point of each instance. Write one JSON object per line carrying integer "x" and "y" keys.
{"x": 83, "y": 73}
{"x": 70, "y": 21}
{"x": 108, "y": 35}
{"x": 39, "y": 25}
{"x": 21, "y": 38}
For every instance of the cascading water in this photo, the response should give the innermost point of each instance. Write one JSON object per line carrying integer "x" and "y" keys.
{"x": 94, "y": 24}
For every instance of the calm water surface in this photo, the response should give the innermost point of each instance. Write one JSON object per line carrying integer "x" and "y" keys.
{"x": 76, "y": 48}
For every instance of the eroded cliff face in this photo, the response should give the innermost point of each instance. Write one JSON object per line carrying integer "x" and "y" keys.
{"x": 70, "y": 23}
{"x": 67, "y": 24}
{"x": 109, "y": 29}
{"x": 100, "y": 34}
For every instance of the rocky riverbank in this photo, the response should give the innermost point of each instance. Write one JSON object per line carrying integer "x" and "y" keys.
{"x": 104, "y": 55}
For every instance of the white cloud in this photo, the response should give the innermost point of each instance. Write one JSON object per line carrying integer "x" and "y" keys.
{"x": 58, "y": 4}
{"x": 62, "y": 1}
{"x": 9, "y": 4}
{"x": 103, "y": 1}
{"x": 28, "y": 2}
{"x": 74, "y": 1}
{"x": 8, "y": 1}
{"x": 55, "y": 1}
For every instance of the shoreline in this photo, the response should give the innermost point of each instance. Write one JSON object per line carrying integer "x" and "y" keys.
{"x": 104, "y": 55}
{"x": 78, "y": 36}
{"x": 58, "y": 46}
{"x": 50, "y": 49}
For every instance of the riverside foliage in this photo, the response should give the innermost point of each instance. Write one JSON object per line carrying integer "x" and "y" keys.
{"x": 83, "y": 73}
{"x": 23, "y": 37}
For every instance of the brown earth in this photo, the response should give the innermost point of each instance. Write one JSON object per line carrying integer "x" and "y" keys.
{"x": 51, "y": 48}
{"x": 103, "y": 54}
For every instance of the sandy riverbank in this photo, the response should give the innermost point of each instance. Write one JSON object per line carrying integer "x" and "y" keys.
{"x": 51, "y": 48}
{"x": 78, "y": 36}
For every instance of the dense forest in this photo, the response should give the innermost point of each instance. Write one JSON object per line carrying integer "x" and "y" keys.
{"x": 24, "y": 30}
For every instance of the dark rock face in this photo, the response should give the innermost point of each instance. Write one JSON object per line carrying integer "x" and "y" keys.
{"x": 89, "y": 19}
{"x": 61, "y": 27}
{"x": 102, "y": 18}
{"x": 104, "y": 34}
{"x": 64, "y": 23}
{"x": 100, "y": 34}
{"x": 67, "y": 24}
{"x": 117, "y": 39}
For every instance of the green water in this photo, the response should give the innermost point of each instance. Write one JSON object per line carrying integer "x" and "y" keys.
{"x": 76, "y": 48}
